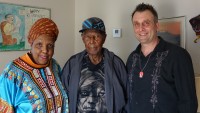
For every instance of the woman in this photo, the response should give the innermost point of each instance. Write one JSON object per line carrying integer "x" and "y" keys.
{"x": 31, "y": 82}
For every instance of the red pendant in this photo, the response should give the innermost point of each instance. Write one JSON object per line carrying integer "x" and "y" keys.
{"x": 141, "y": 74}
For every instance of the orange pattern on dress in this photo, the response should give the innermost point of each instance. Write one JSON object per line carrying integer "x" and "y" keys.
{"x": 5, "y": 107}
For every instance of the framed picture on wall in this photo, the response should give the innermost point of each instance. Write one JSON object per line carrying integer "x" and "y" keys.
{"x": 15, "y": 22}
{"x": 173, "y": 30}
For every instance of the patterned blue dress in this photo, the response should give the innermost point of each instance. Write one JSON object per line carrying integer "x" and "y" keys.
{"x": 26, "y": 87}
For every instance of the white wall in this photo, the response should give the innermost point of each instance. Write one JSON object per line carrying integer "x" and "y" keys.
{"x": 117, "y": 14}
{"x": 62, "y": 12}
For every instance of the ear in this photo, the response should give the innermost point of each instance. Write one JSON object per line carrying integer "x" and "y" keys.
{"x": 104, "y": 38}
{"x": 157, "y": 26}
{"x": 30, "y": 41}
{"x": 82, "y": 37}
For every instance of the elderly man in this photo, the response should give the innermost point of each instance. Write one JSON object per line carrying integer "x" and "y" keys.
{"x": 95, "y": 78}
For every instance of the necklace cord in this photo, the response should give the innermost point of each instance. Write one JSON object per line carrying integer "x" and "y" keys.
{"x": 142, "y": 69}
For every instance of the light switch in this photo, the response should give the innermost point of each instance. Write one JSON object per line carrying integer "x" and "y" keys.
{"x": 116, "y": 33}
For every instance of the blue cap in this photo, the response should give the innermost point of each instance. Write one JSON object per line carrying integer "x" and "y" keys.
{"x": 93, "y": 23}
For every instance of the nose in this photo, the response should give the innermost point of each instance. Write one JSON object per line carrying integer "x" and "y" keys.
{"x": 92, "y": 99}
{"x": 141, "y": 27}
{"x": 44, "y": 49}
{"x": 92, "y": 39}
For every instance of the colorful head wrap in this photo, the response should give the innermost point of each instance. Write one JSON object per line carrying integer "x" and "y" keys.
{"x": 43, "y": 26}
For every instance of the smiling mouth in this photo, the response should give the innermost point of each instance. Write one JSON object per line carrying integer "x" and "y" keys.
{"x": 143, "y": 34}
{"x": 44, "y": 57}
{"x": 92, "y": 46}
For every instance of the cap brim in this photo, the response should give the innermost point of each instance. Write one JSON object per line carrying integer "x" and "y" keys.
{"x": 82, "y": 30}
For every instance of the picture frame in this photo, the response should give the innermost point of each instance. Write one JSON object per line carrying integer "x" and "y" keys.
{"x": 172, "y": 30}
{"x": 15, "y": 23}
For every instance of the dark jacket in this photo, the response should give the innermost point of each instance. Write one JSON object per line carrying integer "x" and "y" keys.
{"x": 115, "y": 80}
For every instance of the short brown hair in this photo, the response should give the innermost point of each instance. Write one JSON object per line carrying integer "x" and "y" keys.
{"x": 143, "y": 7}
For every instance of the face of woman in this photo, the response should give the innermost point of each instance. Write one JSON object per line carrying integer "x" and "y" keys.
{"x": 42, "y": 49}
{"x": 91, "y": 97}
